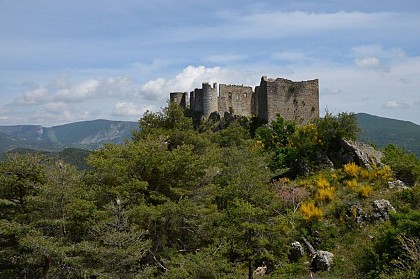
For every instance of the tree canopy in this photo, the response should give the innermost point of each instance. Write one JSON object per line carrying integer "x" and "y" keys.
{"x": 210, "y": 201}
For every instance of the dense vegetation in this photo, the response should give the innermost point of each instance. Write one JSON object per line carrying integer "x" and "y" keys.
{"x": 383, "y": 131}
{"x": 214, "y": 201}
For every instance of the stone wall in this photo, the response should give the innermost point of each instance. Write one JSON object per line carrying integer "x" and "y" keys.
{"x": 297, "y": 101}
{"x": 181, "y": 98}
{"x": 236, "y": 99}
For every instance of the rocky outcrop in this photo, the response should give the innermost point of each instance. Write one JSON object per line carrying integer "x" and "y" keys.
{"x": 260, "y": 272}
{"x": 362, "y": 154}
{"x": 398, "y": 184}
{"x": 322, "y": 261}
{"x": 296, "y": 251}
{"x": 382, "y": 208}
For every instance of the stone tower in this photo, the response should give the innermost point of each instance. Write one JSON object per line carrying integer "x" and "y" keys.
{"x": 181, "y": 98}
{"x": 297, "y": 101}
{"x": 204, "y": 100}
{"x": 210, "y": 95}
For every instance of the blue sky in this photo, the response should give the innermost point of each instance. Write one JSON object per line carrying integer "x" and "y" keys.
{"x": 66, "y": 61}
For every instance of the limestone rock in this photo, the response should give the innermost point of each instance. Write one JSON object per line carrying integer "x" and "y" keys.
{"x": 296, "y": 251}
{"x": 382, "y": 209}
{"x": 357, "y": 213}
{"x": 322, "y": 261}
{"x": 362, "y": 154}
{"x": 260, "y": 272}
{"x": 397, "y": 184}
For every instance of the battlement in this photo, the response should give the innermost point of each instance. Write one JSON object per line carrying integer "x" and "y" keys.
{"x": 293, "y": 100}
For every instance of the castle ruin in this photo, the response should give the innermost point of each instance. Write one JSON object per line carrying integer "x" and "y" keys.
{"x": 296, "y": 101}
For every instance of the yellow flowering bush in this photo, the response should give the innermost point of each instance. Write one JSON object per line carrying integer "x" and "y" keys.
{"x": 352, "y": 169}
{"x": 352, "y": 184}
{"x": 322, "y": 183}
{"x": 325, "y": 194}
{"x": 384, "y": 173}
{"x": 365, "y": 191}
{"x": 310, "y": 212}
{"x": 366, "y": 174}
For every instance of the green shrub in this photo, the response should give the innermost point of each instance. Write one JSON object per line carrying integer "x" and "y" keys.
{"x": 406, "y": 166}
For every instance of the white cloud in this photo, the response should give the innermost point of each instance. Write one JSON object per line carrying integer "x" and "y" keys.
{"x": 55, "y": 107}
{"x": 396, "y": 104}
{"x": 82, "y": 91}
{"x": 33, "y": 97}
{"x": 48, "y": 115}
{"x": 154, "y": 89}
{"x": 378, "y": 51}
{"x": 129, "y": 109}
{"x": 367, "y": 62}
{"x": 372, "y": 63}
{"x": 189, "y": 78}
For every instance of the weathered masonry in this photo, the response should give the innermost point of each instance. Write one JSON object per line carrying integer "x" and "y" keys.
{"x": 297, "y": 101}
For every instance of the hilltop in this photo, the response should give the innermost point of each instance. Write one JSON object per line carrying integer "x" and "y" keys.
{"x": 382, "y": 131}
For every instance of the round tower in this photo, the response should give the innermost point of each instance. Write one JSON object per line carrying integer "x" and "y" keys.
{"x": 209, "y": 99}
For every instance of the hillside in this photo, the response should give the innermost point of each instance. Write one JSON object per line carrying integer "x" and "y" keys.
{"x": 86, "y": 135}
{"x": 382, "y": 131}
{"x": 180, "y": 201}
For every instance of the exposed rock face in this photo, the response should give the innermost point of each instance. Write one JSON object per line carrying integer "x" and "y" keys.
{"x": 322, "y": 261}
{"x": 356, "y": 211}
{"x": 363, "y": 154}
{"x": 296, "y": 251}
{"x": 382, "y": 209}
{"x": 397, "y": 184}
{"x": 260, "y": 272}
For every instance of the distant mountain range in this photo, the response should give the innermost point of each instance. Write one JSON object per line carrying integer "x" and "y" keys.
{"x": 74, "y": 140}
{"x": 87, "y": 135}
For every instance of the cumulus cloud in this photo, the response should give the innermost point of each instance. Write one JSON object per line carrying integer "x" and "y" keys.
{"x": 396, "y": 104}
{"x": 33, "y": 97}
{"x": 79, "y": 92}
{"x": 367, "y": 62}
{"x": 51, "y": 115}
{"x": 128, "y": 109}
{"x": 189, "y": 78}
{"x": 377, "y": 58}
{"x": 153, "y": 89}
{"x": 373, "y": 63}
{"x": 61, "y": 90}
{"x": 63, "y": 101}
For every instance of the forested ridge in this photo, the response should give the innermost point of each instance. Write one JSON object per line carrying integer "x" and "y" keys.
{"x": 217, "y": 199}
